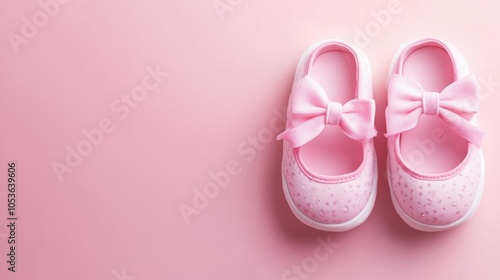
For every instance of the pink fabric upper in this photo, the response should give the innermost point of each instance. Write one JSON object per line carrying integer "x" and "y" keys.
{"x": 430, "y": 200}
{"x": 437, "y": 199}
{"x": 333, "y": 201}
{"x": 328, "y": 199}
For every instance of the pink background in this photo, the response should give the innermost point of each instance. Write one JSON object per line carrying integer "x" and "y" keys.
{"x": 116, "y": 215}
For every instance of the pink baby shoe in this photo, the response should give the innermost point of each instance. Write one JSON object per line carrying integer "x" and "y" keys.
{"x": 329, "y": 166}
{"x": 435, "y": 165}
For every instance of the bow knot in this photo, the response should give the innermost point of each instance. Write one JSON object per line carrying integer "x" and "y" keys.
{"x": 455, "y": 105}
{"x": 310, "y": 111}
{"x": 333, "y": 112}
{"x": 430, "y": 103}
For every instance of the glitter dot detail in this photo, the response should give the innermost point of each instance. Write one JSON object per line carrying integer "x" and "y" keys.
{"x": 436, "y": 202}
{"x": 327, "y": 203}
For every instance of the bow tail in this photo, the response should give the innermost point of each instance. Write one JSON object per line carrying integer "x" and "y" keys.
{"x": 463, "y": 127}
{"x": 305, "y": 132}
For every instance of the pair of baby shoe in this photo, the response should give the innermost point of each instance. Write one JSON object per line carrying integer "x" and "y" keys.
{"x": 435, "y": 167}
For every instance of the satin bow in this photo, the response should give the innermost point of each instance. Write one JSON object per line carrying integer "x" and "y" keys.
{"x": 310, "y": 112}
{"x": 455, "y": 106}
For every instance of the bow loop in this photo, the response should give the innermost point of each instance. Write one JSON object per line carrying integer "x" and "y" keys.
{"x": 455, "y": 106}
{"x": 310, "y": 111}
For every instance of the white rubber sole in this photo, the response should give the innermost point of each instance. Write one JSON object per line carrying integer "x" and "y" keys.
{"x": 434, "y": 228}
{"x": 356, "y": 221}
